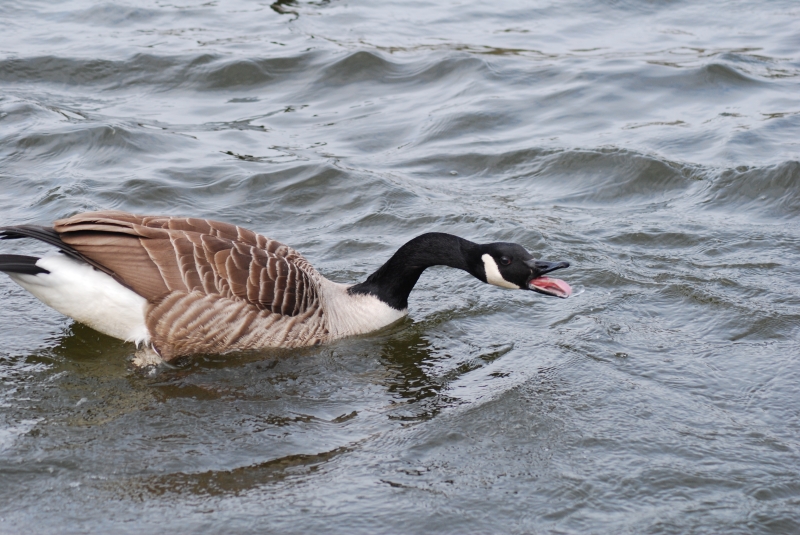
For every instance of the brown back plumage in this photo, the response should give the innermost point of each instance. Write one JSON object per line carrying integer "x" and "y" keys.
{"x": 199, "y": 266}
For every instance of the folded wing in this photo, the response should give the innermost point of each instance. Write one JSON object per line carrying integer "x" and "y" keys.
{"x": 203, "y": 276}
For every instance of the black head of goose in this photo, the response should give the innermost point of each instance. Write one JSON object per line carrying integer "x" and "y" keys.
{"x": 183, "y": 286}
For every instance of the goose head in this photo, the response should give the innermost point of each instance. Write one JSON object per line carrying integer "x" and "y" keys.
{"x": 509, "y": 265}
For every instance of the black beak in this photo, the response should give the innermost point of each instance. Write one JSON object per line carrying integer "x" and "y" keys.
{"x": 540, "y": 267}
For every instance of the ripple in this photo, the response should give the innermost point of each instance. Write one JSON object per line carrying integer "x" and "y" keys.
{"x": 772, "y": 193}
{"x": 653, "y": 146}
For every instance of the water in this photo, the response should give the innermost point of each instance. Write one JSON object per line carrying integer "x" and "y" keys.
{"x": 654, "y": 145}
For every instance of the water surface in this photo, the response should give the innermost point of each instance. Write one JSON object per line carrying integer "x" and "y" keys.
{"x": 654, "y": 145}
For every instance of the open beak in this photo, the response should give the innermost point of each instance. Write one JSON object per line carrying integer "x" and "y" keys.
{"x": 546, "y": 285}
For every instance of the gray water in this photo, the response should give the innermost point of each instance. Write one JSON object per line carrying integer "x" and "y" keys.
{"x": 654, "y": 145}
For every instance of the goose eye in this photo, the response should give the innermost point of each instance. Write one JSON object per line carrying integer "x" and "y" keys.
{"x": 505, "y": 260}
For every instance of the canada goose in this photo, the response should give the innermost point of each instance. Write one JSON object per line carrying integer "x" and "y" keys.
{"x": 183, "y": 286}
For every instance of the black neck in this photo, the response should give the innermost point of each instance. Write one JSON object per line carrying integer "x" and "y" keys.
{"x": 396, "y": 278}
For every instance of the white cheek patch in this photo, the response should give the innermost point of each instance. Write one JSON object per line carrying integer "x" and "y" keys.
{"x": 493, "y": 275}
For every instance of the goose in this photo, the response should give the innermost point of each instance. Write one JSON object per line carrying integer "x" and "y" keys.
{"x": 179, "y": 286}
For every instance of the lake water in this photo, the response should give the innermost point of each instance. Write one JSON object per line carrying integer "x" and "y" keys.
{"x": 653, "y": 145}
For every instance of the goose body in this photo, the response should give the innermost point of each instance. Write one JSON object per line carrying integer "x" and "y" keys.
{"x": 182, "y": 286}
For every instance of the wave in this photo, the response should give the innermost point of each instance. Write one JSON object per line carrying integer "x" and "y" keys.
{"x": 767, "y": 192}
{"x": 201, "y": 72}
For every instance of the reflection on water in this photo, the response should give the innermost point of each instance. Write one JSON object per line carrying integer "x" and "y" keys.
{"x": 406, "y": 357}
{"x": 233, "y": 481}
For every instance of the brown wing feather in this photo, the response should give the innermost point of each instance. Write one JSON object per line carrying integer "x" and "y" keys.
{"x": 158, "y": 256}
{"x": 122, "y": 257}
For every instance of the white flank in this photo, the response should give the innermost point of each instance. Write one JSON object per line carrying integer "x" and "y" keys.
{"x": 493, "y": 275}
{"x": 88, "y": 296}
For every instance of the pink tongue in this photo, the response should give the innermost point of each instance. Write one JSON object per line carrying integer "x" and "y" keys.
{"x": 555, "y": 287}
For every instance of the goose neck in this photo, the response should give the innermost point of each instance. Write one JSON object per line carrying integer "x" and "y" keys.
{"x": 393, "y": 281}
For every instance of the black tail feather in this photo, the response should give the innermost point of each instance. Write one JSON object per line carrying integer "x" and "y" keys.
{"x": 36, "y": 232}
{"x": 44, "y": 234}
{"x": 15, "y": 263}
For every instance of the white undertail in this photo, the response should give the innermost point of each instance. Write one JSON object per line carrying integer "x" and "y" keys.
{"x": 89, "y": 296}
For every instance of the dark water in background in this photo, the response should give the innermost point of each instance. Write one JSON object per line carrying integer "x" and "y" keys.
{"x": 655, "y": 145}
